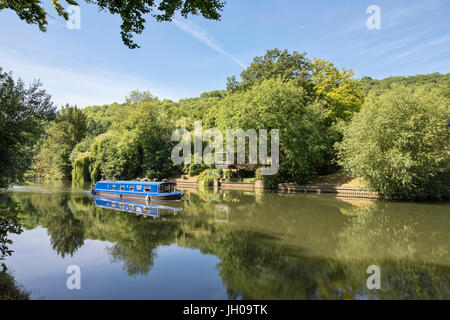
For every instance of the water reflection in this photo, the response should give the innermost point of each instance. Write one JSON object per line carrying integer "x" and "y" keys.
{"x": 133, "y": 206}
{"x": 270, "y": 246}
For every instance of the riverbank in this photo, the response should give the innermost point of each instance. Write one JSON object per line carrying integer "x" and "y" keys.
{"x": 340, "y": 184}
{"x": 10, "y": 289}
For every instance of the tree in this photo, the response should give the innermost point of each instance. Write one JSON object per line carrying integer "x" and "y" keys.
{"x": 432, "y": 80}
{"x": 137, "y": 97}
{"x": 398, "y": 143}
{"x": 335, "y": 91}
{"x": 274, "y": 64}
{"x": 9, "y": 224}
{"x": 338, "y": 89}
{"x": 138, "y": 146}
{"x": 281, "y": 104}
{"x": 68, "y": 130}
{"x": 23, "y": 112}
{"x": 131, "y": 12}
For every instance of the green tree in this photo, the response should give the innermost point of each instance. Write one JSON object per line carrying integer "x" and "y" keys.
{"x": 399, "y": 143}
{"x": 338, "y": 90}
{"x": 274, "y": 64}
{"x": 9, "y": 223}
{"x": 432, "y": 80}
{"x": 137, "y": 146}
{"x": 131, "y": 12}
{"x": 23, "y": 112}
{"x": 136, "y": 97}
{"x": 66, "y": 132}
{"x": 280, "y": 104}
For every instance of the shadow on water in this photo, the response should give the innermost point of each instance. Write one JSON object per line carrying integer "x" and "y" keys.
{"x": 270, "y": 246}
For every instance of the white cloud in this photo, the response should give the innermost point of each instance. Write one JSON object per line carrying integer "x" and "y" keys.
{"x": 91, "y": 86}
{"x": 423, "y": 48}
{"x": 202, "y": 35}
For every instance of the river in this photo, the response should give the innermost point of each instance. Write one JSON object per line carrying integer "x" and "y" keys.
{"x": 228, "y": 245}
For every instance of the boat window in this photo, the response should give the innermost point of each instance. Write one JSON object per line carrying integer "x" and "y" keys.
{"x": 147, "y": 189}
{"x": 114, "y": 187}
{"x": 131, "y": 188}
{"x": 122, "y": 187}
{"x": 165, "y": 188}
{"x": 147, "y": 209}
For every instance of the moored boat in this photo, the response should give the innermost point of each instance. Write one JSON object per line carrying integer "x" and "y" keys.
{"x": 147, "y": 190}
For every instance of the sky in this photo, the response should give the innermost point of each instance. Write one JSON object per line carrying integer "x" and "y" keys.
{"x": 185, "y": 57}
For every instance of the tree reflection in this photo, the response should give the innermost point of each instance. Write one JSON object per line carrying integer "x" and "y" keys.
{"x": 66, "y": 233}
{"x": 270, "y": 246}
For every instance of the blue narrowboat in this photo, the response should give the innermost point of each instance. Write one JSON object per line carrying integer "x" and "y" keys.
{"x": 150, "y": 191}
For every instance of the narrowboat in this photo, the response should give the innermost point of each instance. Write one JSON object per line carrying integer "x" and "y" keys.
{"x": 150, "y": 191}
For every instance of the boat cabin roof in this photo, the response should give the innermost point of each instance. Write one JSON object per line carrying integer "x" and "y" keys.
{"x": 144, "y": 183}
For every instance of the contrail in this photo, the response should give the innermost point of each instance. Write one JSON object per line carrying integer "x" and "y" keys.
{"x": 202, "y": 35}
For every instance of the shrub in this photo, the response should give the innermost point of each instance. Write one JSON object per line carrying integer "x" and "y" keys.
{"x": 196, "y": 169}
{"x": 205, "y": 180}
{"x": 399, "y": 144}
{"x": 227, "y": 174}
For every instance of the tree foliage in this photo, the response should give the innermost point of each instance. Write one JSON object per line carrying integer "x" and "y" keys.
{"x": 23, "y": 112}
{"x": 136, "y": 97}
{"x": 393, "y": 141}
{"x": 132, "y": 13}
{"x": 274, "y": 64}
{"x": 338, "y": 90}
{"x": 334, "y": 90}
{"x": 399, "y": 143}
{"x": 137, "y": 146}
{"x": 9, "y": 224}
{"x": 63, "y": 135}
{"x": 432, "y": 80}
{"x": 277, "y": 104}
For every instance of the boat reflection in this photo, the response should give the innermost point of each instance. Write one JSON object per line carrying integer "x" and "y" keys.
{"x": 153, "y": 210}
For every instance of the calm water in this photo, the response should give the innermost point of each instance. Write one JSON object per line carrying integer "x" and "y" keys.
{"x": 229, "y": 245}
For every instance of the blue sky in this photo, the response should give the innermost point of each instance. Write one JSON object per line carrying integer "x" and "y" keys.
{"x": 187, "y": 57}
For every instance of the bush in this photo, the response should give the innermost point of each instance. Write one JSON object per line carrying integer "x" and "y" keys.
{"x": 196, "y": 169}
{"x": 227, "y": 174}
{"x": 271, "y": 182}
{"x": 205, "y": 180}
{"x": 399, "y": 144}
